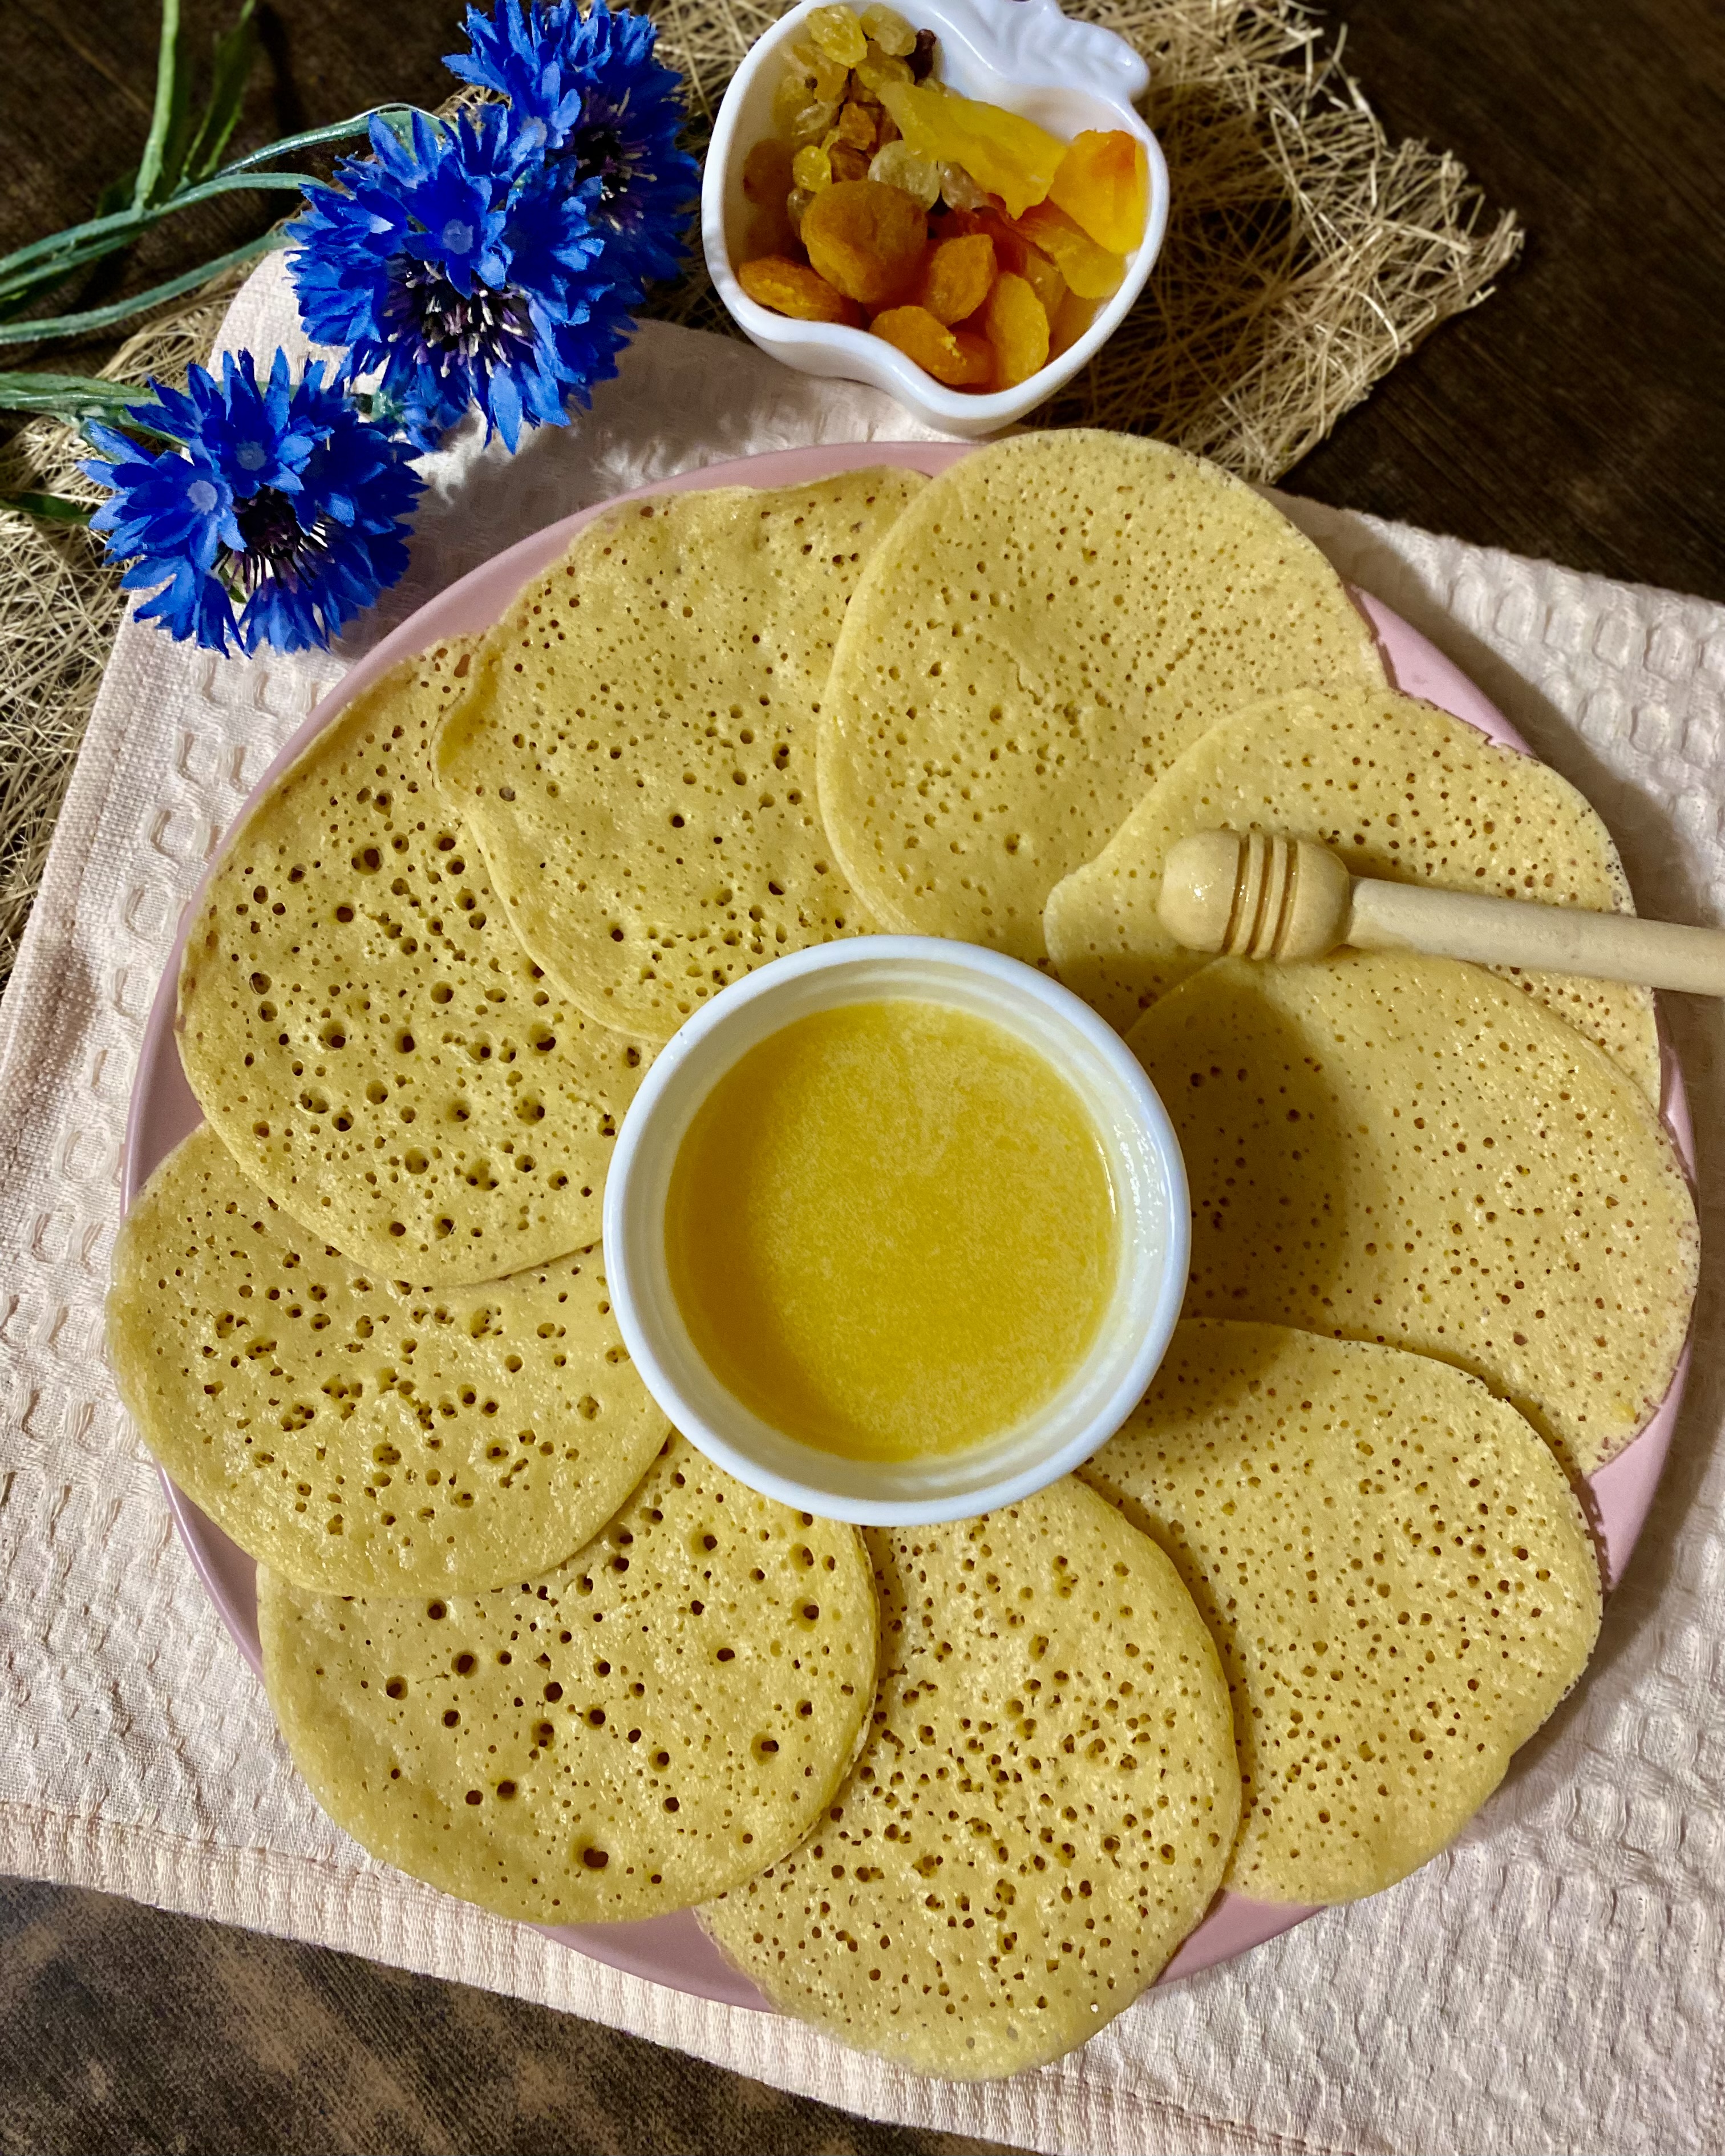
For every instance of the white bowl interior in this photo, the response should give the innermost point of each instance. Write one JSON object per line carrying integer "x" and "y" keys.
{"x": 1144, "y": 1165}
{"x": 1065, "y": 107}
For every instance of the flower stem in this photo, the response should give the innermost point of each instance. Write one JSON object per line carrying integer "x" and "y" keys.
{"x": 37, "y": 331}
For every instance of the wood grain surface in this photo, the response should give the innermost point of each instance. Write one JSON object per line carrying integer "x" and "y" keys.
{"x": 1576, "y": 414}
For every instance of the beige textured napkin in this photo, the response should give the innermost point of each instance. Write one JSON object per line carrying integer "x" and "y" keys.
{"x": 1555, "y": 1982}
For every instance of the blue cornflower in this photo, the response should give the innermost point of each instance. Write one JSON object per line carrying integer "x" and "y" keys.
{"x": 604, "y": 104}
{"x": 282, "y": 495}
{"x": 458, "y": 275}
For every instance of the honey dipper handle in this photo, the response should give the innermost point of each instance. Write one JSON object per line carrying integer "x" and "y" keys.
{"x": 1262, "y": 897}
{"x": 1556, "y": 939}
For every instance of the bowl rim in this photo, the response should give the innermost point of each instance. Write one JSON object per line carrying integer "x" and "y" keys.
{"x": 1152, "y": 1325}
{"x": 873, "y": 361}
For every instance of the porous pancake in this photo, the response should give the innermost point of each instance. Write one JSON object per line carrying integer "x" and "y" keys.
{"x": 1407, "y": 1150}
{"x": 640, "y": 1729}
{"x": 352, "y": 1433}
{"x": 1395, "y": 1569}
{"x": 358, "y": 1021}
{"x": 1398, "y": 789}
{"x": 1050, "y": 622}
{"x": 1041, "y": 1812}
{"x": 637, "y": 754}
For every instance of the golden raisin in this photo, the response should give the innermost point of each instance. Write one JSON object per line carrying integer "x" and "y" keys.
{"x": 1017, "y": 327}
{"x": 889, "y": 31}
{"x": 956, "y": 277}
{"x": 954, "y": 357}
{"x": 794, "y": 288}
{"x": 1044, "y": 279}
{"x": 766, "y": 172}
{"x": 856, "y": 127}
{"x": 837, "y": 31}
{"x": 1103, "y": 185}
{"x": 866, "y": 239}
{"x": 849, "y": 164}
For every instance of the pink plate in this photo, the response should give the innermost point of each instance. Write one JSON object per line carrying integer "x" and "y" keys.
{"x": 674, "y": 1950}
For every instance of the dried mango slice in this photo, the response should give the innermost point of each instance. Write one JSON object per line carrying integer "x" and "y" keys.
{"x": 1092, "y": 271}
{"x": 1103, "y": 185}
{"x": 957, "y": 277}
{"x": 1017, "y": 327}
{"x": 954, "y": 357}
{"x": 794, "y": 288}
{"x": 1009, "y": 155}
{"x": 866, "y": 239}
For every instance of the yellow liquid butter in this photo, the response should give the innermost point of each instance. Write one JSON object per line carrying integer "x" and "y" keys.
{"x": 890, "y": 1230}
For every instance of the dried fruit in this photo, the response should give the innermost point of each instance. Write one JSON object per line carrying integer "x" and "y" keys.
{"x": 954, "y": 357}
{"x": 856, "y": 127}
{"x": 1016, "y": 326}
{"x": 957, "y": 277}
{"x": 837, "y": 31}
{"x": 889, "y": 31}
{"x": 1103, "y": 185}
{"x": 1074, "y": 318}
{"x": 795, "y": 203}
{"x": 1007, "y": 154}
{"x": 766, "y": 172}
{"x": 799, "y": 115}
{"x": 794, "y": 288}
{"x": 880, "y": 69}
{"x": 812, "y": 168}
{"x": 866, "y": 239}
{"x": 818, "y": 72}
{"x": 849, "y": 164}
{"x": 1092, "y": 271}
{"x": 922, "y": 56}
{"x": 958, "y": 191}
{"x": 1043, "y": 278}
{"x": 897, "y": 166}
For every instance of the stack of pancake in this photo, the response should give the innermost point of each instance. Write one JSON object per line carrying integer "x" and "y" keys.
{"x": 955, "y": 1795}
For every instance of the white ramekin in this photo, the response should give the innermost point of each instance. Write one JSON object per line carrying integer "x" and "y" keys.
{"x": 1144, "y": 1162}
{"x": 1025, "y": 54}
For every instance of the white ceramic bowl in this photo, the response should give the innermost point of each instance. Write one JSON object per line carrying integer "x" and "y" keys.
{"x": 1025, "y": 54}
{"x": 1144, "y": 1162}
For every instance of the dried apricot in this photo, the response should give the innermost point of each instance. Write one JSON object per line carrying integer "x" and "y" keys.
{"x": 956, "y": 276}
{"x": 1017, "y": 327}
{"x": 1104, "y": 186}
{"x": 866, "y": 239}
{"x": 794, "y": 288}
{"x": 1003, "y": 152}
{"x": 954, "y": 357}
{"x": 1092, "y": 271}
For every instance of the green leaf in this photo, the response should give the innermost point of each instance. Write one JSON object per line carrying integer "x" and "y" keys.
{"x": 165, "y": 149}
{"x": 235, "y": 52}
{"x": 37, "y": 330}
{"x": 74, "y": 397}
{"x": 51, "y": 508}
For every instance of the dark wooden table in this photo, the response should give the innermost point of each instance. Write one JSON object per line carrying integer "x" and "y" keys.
{"x": 1578, "y": 414}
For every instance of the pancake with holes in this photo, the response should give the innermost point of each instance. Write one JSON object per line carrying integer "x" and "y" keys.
{"x": 1395, "y": 1569}
{"x": 1398, "y": 789}
{"x": 1409, "y": 1150}
{"x": 638, "y": 1729}
{"x": 353, "y": 1433}
{"x": 637, "y": 755}
{"x": 1042, "y": 1811}
{"x": 1051, "y": 621}
{"x": 358, "y": 1021}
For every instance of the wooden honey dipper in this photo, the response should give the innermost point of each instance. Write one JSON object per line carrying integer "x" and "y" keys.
{"x": 1262, "y": 897}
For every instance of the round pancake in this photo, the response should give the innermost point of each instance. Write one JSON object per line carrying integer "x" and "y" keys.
{"x": 1395, "y": 1569}
{"x": 1041, "y": 1812}
{"x": 359, "y": 1022}
{"x": 1398, "y": 789}
{"x": 355, "y": 1435}
{"x": 637, "y": 754}
{"x": 1403, "y": 1149}
{"x": 638, "y": 1730}
{"x": 1050, "y": 623}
